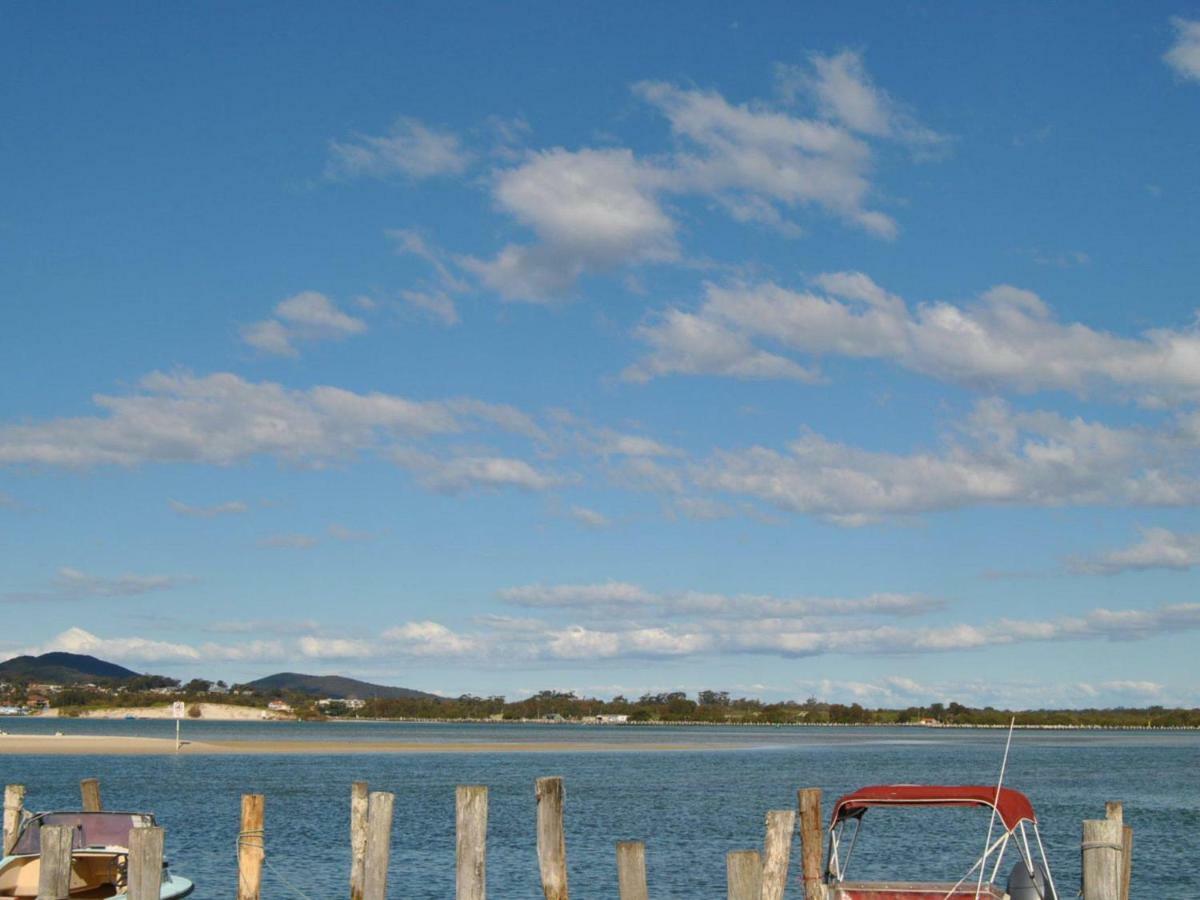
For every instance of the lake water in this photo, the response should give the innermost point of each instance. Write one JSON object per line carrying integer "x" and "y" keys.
{"x": 689, "y": 807}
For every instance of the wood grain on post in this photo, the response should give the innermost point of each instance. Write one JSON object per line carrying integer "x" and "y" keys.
{"x": 89, "y": 792}
{"x": 14, "y": 807}
{"x": 1114, "y": 809}
{"x": 379, "y": 845}
{"x": 812, "y": 849}
{"x": 470, "y": 847}
{"x": 743, "y": 874}
{"x": 777, "y": 849}
{"x": 145, "y": 863}
{"x": 551, "y": 840}
{"x": 631, "y": 871}
{"x": 54, "y": 873}
{"x": 1127, "y": 860}
{"x": 251, "y": 847}
{"x": 1103, "y": 846}
{"x": 358, "y": 837}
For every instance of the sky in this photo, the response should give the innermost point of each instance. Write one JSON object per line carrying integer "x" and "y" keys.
{"x": 838, "y": 350}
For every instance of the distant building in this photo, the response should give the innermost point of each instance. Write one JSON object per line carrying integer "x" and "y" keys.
{"x": 612, "y": 719}
{"x": 279, "y": 706}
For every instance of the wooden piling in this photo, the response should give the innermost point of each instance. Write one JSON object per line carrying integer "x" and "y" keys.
{"x": 89, "y": 792}
{"x": 358, "y": 837}
{"x": 743, "y": 874}
{"x": 631, "y": 871}
{"x": 1103, "y": 845}
{"x": 777, "y": 849}
{"x": 14, "y": 808}
{"x": 54, "y": 873}
{"x": 379, "y": 845}
{"x": 551, "y": 840}
{"x": 470, "y": 849}
{"x": 145, "y": 863}
{"x": 251, "y": 847}
{"x": 812, "y": 848}
{"x": 1114, "y": 809}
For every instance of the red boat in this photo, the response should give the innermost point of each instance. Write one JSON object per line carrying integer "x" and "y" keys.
{"x": 1029, "y": 879}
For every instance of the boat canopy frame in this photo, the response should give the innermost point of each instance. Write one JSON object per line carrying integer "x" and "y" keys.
{"x": 1012, "y": 808}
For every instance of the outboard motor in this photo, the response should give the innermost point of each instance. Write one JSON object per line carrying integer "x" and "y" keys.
{"x": 1023, "y": 886}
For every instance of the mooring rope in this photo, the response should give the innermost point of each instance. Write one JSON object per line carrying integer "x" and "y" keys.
{"x": 244, "y": 840}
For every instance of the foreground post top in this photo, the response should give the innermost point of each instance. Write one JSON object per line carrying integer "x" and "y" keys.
{"x": 1012, "y": 806}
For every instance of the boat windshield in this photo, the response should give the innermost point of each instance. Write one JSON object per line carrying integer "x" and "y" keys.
{"x": 91, "y": 829}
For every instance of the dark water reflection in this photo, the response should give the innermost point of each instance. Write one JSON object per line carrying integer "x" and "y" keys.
{"x": 689, "y": 807}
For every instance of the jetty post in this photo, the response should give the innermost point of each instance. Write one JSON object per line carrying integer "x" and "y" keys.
{"x": 470, "y": 847}
{"x": 358, "y": 837}
{"x": 812, "y": 849}
{"x": 743, "y": 874}
{"x": 777, "y": 848}
{"x": 551, "y": 840}
{"x": 54, "y": 873}
{"x": 89, "y": 794}
{"x": 14, "y": 808}
{"x": 1103, "y": 847}
{"x": 631, "y": 871}
{"x": 1115, "y": 809}
{"x": 379, "y": 844}
{"x": 145, "y": 863}
{"x": 251, "y": 847}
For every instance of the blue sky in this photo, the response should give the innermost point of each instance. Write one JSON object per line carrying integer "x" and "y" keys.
{"x": 783, "y": 351}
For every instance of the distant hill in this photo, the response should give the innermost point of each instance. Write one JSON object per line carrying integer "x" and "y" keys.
{"x": 62, "y": 668}
{"x": 335, "y": 686}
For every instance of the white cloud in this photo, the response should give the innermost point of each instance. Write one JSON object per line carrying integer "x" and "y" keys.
{"x": 577, "y": 642}
{"x": 1159, "y": 548}
{"x": 222, "y": 419}
{"x": 426, "y": 638}
{"x": 1008, "y": 339}
{"x": 231, "y": 507}
{"x": 461, "y": 473}
{"x": 314, "y": 647}
{"x": 125, "y": 649}
{"x": 591, "y": 210}
{"x": 1184, "y": 55}
{"x": 999, "y": 457}
{"x": 340, "y": 532}
{"x": 82, "y": 584}
{"x": 410, "y": 149}
{"x": 609, "y": 593}
{"x": 845, "y": 93}
{"x": 305, "y": 317}
{"x": 589, "y": 517}
{"x": 435, "y": 299}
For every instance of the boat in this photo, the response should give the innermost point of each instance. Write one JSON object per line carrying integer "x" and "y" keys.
{"x": 99, "y": 856}
{"x": 1028, "y": 879}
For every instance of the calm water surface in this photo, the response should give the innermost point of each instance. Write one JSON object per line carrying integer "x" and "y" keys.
{"x": 689, "y": 807}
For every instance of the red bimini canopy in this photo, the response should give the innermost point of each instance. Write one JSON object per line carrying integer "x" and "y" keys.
{"x": 1013, "y": 806}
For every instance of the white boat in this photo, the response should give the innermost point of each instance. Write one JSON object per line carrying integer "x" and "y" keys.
{"x": 99, "y": 856}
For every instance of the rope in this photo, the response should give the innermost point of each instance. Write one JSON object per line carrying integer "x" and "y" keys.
{"x": 1101, "y": 845}
{"x": 259, "y": 834}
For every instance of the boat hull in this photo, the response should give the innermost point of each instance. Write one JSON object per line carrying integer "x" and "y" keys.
{"x": 901, "y": 890}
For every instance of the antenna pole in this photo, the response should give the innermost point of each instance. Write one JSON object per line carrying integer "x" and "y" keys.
{"x": 995, "y": 804}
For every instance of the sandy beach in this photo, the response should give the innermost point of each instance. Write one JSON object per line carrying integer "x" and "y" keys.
{"x": 109, "y": 745}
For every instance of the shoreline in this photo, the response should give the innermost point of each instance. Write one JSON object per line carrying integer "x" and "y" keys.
{"x": 118, "y": 745}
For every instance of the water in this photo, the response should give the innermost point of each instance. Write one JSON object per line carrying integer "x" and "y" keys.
{"x": 690, "y": 807}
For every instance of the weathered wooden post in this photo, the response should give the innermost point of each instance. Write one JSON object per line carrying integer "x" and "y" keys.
{"x": 1103, "y": 845}
{"x": 145, "y": 863}
{"x": 777, "y": 849}
{"x": 743, "y": 874}
{"x": 251, "y": 847}
{"x": 551, "y": 840}
{"x": 14, "y": 807}
{"x": 812, "y": 849}
{"x": 89, "y": 792}
{"x": 631, "y": 871}
{"x": 54, "y": 874}
{"x": 470, "y": 848}
{"x": 379, "y": 844}
{"x": 358, "y": 837}
{"x": 1115, "y": 809}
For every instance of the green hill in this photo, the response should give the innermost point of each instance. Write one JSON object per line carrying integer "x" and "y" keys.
{"x": 62, "y": 668}
{"x": 335, "y": 686}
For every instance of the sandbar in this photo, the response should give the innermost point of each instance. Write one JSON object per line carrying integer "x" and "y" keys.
{"x": 116, "y": 745}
